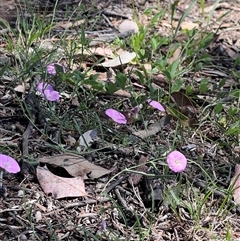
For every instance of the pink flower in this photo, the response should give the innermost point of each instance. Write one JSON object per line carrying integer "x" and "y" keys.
{"x": 9, "y": 164}
{"x": 47, "y": 91}
{"x": 51, "y": 68}
{"x": 116, "y": 116}
{"x": 156, "y": 105}
{"x": 177, "y": 162}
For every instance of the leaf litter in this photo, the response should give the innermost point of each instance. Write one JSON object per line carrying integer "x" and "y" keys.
{"x": 209, "y": 152}
{"x": 76, "y": 165}
{"x": 59, "y": 187}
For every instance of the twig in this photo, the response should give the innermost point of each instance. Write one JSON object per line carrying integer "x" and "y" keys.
{"x": 115, "y": 183}
{"x": 111, "y": 13}
{"x": 84, "y": 203}
{"x": 121, "y": 200}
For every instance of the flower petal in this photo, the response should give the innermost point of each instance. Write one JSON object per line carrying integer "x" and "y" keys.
{"x": 177, "y": 162}
{"x": 41, "y": 87}
{"x": 51, "y": 95}
{"x": 116, "y": 116}
{"x": 47, "y": 91}
{"x": 156, "y": 105}
{"x": 9, "y": 164}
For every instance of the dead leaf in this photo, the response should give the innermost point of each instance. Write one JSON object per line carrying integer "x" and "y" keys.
{"x": 60, "y": 187}
{"x": 152, "y": 129}
{"x": 189, "y": 25}
{"x": 135, "y": 177}
{"x": 20, "y": 88}
{"x": 132, "y": 115}
{"x": 236, "y": 184}
{"x": 69, "y": 140}
{"x": 76, "y": 165}
{"x": 184, "y": 104}
{"x": 128, "y": 25}
{"x": 122, "y": 93}
{"x": 38, "y": 216}
{"x": 103, "y": 51}
{"x": 176, "y": 55}
{"x": 66, "y": 25}
{"x": 123, "y": 58}
{"x": 86, "y": 139}
{"x": 75, "y": 101}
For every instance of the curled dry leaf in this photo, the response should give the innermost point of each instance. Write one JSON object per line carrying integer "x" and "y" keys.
{"x": 235, "y": 182}
{"x": 76, "y": 165}
{"x": 60, "y": 187}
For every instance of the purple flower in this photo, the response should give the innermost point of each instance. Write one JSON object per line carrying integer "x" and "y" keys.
{"x": 47, "y": 91}
{"x": 51, "y": 68}
{"x": 177, "y": 162}
{"x": 9, "y": 164}
{"x": 116, "y": 116}
{"x": 156, "y": 105}
{"x": 103, "y": 225}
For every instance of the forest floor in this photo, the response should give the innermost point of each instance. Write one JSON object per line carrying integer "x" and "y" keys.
{"x": 84, "y": 176}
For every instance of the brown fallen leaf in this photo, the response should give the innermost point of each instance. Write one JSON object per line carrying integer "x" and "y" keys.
{"x": 20, "y": 88}
{"x": 154, "y": 128}
{"x": 184, "y": 104}
{"x": 175, "y": 56}
{"x": 86, "y": 140}
{"x": 189, "y": 25}
{"x": 76, "y": 165}
{"x": 135, "y": 177}
{"x": 236, "y": 184}
{"x": 60, "y": 187}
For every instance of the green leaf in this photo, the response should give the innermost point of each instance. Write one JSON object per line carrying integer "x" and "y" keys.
{"x": 232, "y": 111}
{"x": 173, "y": 9}
{"x": 189, "y": 89}
{"x": 94, "y": 83}
{"x": 206, "y": 41}
{"x": 202, "y": 4}
{"x": 218, "y": 108}
{"x": 235, "y": 93}
{"x": 236, "y": 61}
{"x": 121, "y": 80}
{"x": 221, "y": 83}
{"x": 167, "y": 74}
{"x": 173, "y": 68}
{"x": 148, "y": 11}
{"x": 2, "y": 70}
{"x": 234, "y": 129}
{"x": 141, "y": 77}
{"x": 203, "y": 87}
{"x": 111, "y": 87}
{"x": 154, "y": 43}
{"x": 183, "y": 16}
{"x": 177, "y": 85}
